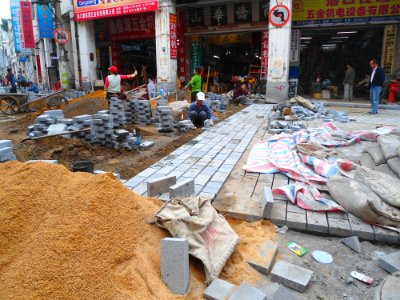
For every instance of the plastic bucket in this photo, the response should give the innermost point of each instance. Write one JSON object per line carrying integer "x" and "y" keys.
{"x": 83, "y": 166}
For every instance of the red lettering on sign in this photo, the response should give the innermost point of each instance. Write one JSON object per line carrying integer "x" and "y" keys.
{"x": 361, "y": 11}
{"x": 27, "y": 27}
{"x": 340, "y": 12}
{"x": 383, "y": 9}
{"x": 132, "y": 28}
{"x": 372, "y": 10}
{"x": 310, "y": 14}
{"x": 395, "y": 9}
{"x": 320, "y": 13}
{"x": 332, "y": 2}
{"x": 173, "y": 36}
{"x": 348, "y": 1}
{"x": 365, "y": 1}
{"x": 350, "y": 11}
{"x": 330, "y": 13}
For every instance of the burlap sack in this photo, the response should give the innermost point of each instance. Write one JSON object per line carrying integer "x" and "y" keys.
{"x": 362, "y": 202}
{"x": 389, "y": 145}
{"x": 304, "y": 102}
{"x": 394, "y": 164}
{"x": 384, "y": 168}
{"x": 376, "y": 154}
{"x": 211, "y": 238}
{"x": 366, "y": 160}
{"x": 315, "y": 150}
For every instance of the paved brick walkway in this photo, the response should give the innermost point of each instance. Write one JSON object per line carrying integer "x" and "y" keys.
{"x": 215, "y": 160}
{"x": 210, "y": 157}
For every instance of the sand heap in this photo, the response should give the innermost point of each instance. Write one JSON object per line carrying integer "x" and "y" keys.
{"x": 70, "y": 235}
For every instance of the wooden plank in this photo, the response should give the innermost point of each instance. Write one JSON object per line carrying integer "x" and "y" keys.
{"x": 361, "y": 229}
{"x": 296, "y": 220}
{"x": 339, "y": 227}
{"x": 385, "y": 235}
{"x": 317, "y": 222}
{"x": 278, "y": 213}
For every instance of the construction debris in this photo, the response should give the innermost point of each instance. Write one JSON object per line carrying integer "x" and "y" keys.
{"x": 353, "y": 243}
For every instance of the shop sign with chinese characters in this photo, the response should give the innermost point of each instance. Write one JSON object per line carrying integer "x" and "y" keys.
{"x": 264, "y": 52}
{"x": 295, "y": 46}
{"x": 194, "y": 55}
{"x": 132, "y": 28}
{"x": 344, "y": 11}
{"x": 96, "y": 9}
{"x": 389, "y": 45}
{"x": 173, "y": 36}
{"x": 27, "y": 27}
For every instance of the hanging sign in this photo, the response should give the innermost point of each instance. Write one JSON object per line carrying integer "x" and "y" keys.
{"x": 279, "y": 15}
{"x": 195, "y": 55}
{"x": 295, "y": 46}
{"x": 264, "y": 52}
{"x": 27, "y": 27}
{"x": 45, "y": 20}
{"x": 61, "y": 36}
{"x": 173, "y": 36}
{"x": 389, "y": 46}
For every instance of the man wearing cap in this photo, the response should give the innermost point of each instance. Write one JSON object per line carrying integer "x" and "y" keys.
{"x": 199, "y": 111}
{"x": 113, "y": 81}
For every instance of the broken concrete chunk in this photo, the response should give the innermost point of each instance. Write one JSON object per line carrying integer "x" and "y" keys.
{"x": 352, "y": 242}
{"x": 265, "y": 258}
{"x": 390, "y": 262}
{"x": 219, "y": 290}
{"x": 246, "y": 291}
{"x": 291, "y": 275}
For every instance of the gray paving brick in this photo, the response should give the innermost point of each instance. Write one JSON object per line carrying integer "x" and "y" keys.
{"x": 192, "y": 173}
{"x": 226, "y": 168}
{"x": 317, "y": 222}
{"x": 263, "y": 260}
{"x": 182, "y": 189}
{"x": 147, "y": 172}
{"x": 158, "y": 186}
{"x": 385, "y": 235}
{"x": 175, "y": 264}
{"x": 212, "y": 187}
{"x": 278, "y": 213}
{"x": 390, "y": 262}
{"x": 209, "y": 196}
{"x": 291, "y": 275}
{"x": 141, "y": 188}
{"x": 209, "y": 170}
{"x": 246, "y": 291}
{"x": 267, "y": 203}
{"x": 134, "y": 181}
{"x": 202, "y": 179}
{"x": 220, "y": 177}
{"x": 219, "y": 290}
{"x": 183, "y": 167}
{"x": 361, "y": 229}
{"x": 215, "y": 163}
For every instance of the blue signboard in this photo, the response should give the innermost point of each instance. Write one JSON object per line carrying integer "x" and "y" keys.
{"x": 45, "y": 21}
{"x": 15, "y": 14}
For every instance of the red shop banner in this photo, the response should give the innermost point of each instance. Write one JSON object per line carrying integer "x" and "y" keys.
{"x": 173, "y": 36}
{"x": 132, "y": 28}
{"x": 27, "y": 27}
{"x": 39, "y": 69}
{"x": 96, "y": 9}
{"x": 181, "y": 47}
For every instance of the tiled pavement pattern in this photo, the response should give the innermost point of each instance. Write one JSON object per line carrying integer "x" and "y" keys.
{"x": 216, "y": 157}
{"x": 210, "y": 157}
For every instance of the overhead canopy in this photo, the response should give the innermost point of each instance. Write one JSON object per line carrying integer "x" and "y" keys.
{"x": 96, "y": 9}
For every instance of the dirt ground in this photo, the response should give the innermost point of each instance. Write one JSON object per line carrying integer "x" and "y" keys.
{"x": 66, "y": 151}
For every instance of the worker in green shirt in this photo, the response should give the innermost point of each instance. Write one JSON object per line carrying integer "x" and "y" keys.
{"x": 195, "y": 84}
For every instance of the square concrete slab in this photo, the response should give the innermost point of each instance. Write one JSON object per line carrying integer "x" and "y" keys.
{"x": 219, "y": 290}
{"x": 291, "y": 275}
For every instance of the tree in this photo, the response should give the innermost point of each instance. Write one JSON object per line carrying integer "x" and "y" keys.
{"x": 4, "y": 25}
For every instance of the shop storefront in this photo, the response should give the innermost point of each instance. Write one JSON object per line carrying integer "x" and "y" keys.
{"x": 335, "y": 33}
{"x": 228, "y": 39}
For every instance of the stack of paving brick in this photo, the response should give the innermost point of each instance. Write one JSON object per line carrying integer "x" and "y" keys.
{"x": 82, "y": 122}
{"x": 165, "y": 117}
{"x": 130, "y": 112}
{"x": 103, "y": 128}
{"x": 143, "y": 112}
{"x": 42, "y": 122}
{"x": 184, "y": 125}
{"x": 125, "y": 139}
{"x": 6, "y": 151}
{"x": 117, "y": 111}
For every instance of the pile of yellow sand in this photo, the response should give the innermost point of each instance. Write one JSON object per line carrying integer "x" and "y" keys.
{"x": 77, "y": 235}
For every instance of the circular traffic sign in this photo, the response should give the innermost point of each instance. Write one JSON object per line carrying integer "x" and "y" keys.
{"x": 61, "y": 36}
{"x": 279, "y": 15}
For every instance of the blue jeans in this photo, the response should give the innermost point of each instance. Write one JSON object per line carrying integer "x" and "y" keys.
{"x": 374, "y": 93}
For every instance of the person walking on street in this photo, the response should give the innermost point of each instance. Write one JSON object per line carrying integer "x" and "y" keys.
{"x": 11, "y": 80}
{"x": 195, "y": 84}
{"x": 113, "y": 82}
{"x": 348, "y": 82}
{"x": 376, "y": 82}
{"x": 199, "y": 111}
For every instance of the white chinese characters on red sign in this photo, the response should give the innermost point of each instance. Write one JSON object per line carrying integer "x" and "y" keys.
{"x": 173, "y": 36}
{"x": 264, "y": 51}
{"x": 132, "y": 28}
{"x": 61, "y": 36}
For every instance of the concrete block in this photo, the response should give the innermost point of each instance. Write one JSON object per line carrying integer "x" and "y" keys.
{"x": 265, "y": 258}
{"x": 160, "y": 185}
{"x": 182, "y": 189}
{"x": 246, "y": 291}
{"x": 352, "y": 242}
{"x": 390, "y": 262}
{"x": 5, "y": 144}
{"x": 219, "y": 290}
{"x": 291, "y": 275}
{"x": 277, "y": 291}
{"x": 175, "y": 264}
{"x": 56, "y": 128}
{"x": 267, "y": 202}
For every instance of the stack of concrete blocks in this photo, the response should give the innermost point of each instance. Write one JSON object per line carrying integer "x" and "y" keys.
{"x": 166, "y": 118}
{"x": 82, "y": 122}
{"x": 125, "y": 140}
{"x": 6, "y": 151}
{"x": 143, "y": 112}
{"x": 103, "y": 129}
{"x": 185, "y": 125}
{"x": 117, "y": 110}
{"x": 130, "y": 112}
{"x": 42, "y": 122}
